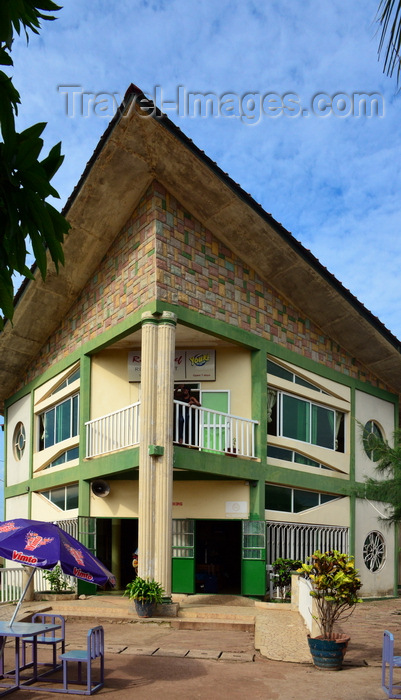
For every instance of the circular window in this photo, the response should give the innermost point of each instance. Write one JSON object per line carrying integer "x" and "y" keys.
{"x": 371, "y": 433}
{"x": 19, "y": 440}
{"x": 374, "y": 551}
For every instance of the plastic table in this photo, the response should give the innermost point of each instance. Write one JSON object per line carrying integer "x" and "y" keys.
{"x": 18, "y": 630}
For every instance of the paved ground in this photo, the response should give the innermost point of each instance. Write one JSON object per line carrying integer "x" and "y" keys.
{"x": 152, "y": 660}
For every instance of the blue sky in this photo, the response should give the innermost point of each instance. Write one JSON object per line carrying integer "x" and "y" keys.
{"x": 333, "y": 180}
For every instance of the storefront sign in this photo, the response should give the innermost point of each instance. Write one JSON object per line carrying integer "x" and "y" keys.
{"x": 190, "y": 365}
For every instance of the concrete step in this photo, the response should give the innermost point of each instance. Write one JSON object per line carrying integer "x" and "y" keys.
{"x": 205, "y": 623}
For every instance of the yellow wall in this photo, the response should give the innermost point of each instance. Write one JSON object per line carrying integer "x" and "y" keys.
{"x": 368, "y": 408}
{"x": 18, "y": 469}
{"x": 111, "y": 391}
{"x": 191, "y": 499}
{"x": 332, "y": 513}
{"x": 110, "y": 388}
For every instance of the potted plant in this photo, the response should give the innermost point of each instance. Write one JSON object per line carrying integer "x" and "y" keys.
{"x": 335, "y": 587}
{"x": 282, "y": 570}
{"x": 146, "y": 593}
{"x": 60, "y": 589}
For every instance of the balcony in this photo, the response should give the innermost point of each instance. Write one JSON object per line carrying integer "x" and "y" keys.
{"x": 193, "y": 426}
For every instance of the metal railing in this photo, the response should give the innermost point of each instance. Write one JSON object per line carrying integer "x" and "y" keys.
{"x": 299, "y": 541}
{"x": 112, "y": 432}
{"x": 214, "y": 431}
{"x": 194, "y": 426}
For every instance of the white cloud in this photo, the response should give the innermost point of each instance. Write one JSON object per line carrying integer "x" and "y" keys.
{"x": 333, "y": 182}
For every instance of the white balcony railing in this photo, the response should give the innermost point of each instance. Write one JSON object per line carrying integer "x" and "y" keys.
{"x": 194, "y": 426}
{"x": 114, "y": 431}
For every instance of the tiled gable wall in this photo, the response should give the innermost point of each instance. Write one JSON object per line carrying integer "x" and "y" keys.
{"x": 194, "y": 270}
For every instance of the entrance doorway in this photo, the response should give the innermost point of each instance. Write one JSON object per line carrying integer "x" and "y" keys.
{"x": 218, "y": 556}
{"x": 128, "y": 542}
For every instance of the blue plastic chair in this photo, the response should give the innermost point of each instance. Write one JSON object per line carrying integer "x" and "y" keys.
{"x": 53, "y": 638}
{"x": 94, "y": 650}
{"x": 389, "y": 662}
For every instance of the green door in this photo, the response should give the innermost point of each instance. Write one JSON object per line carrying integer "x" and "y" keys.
{"x": 87, "y": 535}
{"x": 213, "y": 431}
{"x": 253, "y": 557}
{"x": 183, "y": 562}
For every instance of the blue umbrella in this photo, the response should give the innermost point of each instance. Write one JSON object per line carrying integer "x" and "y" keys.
{"x": 43, "y": 545}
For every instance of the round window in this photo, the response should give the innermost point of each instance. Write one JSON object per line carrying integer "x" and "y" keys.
{"x": 371, "y": 433}
{"x": 374, "y": 551}
{"x": 19, "y": 440}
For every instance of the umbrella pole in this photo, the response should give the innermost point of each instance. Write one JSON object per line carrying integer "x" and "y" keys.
{"x": 22, "y": 597}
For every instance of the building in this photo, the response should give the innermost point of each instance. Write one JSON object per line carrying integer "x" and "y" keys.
{"x": 175, "y": 278}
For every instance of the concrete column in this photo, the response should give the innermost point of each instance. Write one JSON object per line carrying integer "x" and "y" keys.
{"x": 164, "y": 438}
{"x": 147, "y": 462}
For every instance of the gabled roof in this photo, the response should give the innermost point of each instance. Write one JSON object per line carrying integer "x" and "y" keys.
{"x": 137, "y": 148}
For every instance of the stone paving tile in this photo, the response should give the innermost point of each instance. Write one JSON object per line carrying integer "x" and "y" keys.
{"x": 114, "y": 648}
{"x": 236, "y": 656}
{"x": 178, "y": 653}
{"x": 203, "y": 654}
{"x": 139, "y": 651}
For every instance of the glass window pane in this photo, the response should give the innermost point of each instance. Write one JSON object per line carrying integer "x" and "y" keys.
{"x": 323, "y": 426}
{"x": 57, "y": 496}
{"x": 301, "y": 459}
{"x": 75, "y": 416}
{"x": 304, "y": 500}
{"x": 326, "y": 497}
{"x": 278, "y": 498}
{"x": 63, "y": 421}
{"x": 48, "y": 435}
{"x": 72, "y": 496}
{"x": 295, "y": 418}
{"x": 279, "y": 453}
{"x": 279, "y": 371}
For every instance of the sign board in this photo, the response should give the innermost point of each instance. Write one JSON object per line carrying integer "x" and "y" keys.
{"x": 190, "y": 365}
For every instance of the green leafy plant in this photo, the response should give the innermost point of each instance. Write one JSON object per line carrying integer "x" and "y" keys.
{"x": 145, "y": 590}
{"x": 57, "y": 580}
{"x": 335, "y": 586}
{"x": 27, "y": 220}
{"x": 282, "y": 568}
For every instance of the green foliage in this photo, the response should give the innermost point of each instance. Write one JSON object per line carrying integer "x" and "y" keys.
{"x": 56, "y": 578}
{"x": 335, "y": 586}
{"x": 388, "y": 465}
{"x": 25, "y": 216}
{"x": 282, "y": 569}
{"x": 144, "y": 589}
{"x": 389, "y": 18}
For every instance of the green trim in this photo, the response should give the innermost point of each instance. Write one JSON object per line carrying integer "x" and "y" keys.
{"x": 194, "y": 460}
{"x": 352, "y": 428}
{"x": 352, "y": 524}
{"x": 396, "y": 554}
{"x": 310, "y": 482}
{"x": 84, "y": 401}
{"x": 84, "y": 498}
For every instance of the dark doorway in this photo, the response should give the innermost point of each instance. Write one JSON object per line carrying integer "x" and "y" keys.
{"x": 128, "y": 544}
{"x": 218, "y": 556}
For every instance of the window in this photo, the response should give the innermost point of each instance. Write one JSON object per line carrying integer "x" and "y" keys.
{"x": 374, "y": 551}
{"x": 64, "y": 497}
{"x": 66, "y": 456}
{"x": 290, "y": 500}
{"x": 292, "y": 456}
{"x": 69, "y": 380}
{"x": 59, "y": 423}
{"x": 279, "y": 371}
{"x": 19, "y": 441}
{"x": 299, "y": 419}
{"x": 371, "y": 432}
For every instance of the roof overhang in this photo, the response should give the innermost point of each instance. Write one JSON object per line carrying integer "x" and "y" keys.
{"x": 136, "y": 149}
